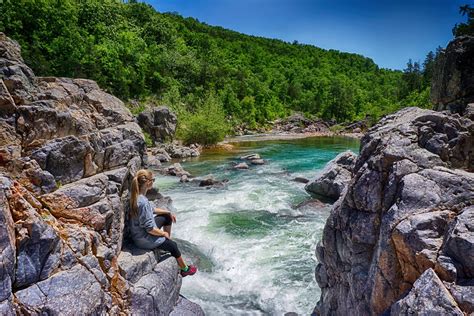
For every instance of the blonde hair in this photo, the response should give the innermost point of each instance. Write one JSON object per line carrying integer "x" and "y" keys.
{"x": 138, "y": 181}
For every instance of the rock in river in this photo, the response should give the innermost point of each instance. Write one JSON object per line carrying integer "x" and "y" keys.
{"x": 337, "y": 174}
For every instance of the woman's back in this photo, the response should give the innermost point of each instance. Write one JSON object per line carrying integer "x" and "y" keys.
{"x": 143, "y": 222}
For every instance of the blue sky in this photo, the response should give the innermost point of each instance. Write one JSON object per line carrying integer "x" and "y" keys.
{"x": 389, "y": 32}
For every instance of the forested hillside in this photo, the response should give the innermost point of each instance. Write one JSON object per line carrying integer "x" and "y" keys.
{"x": 135, "y": 52}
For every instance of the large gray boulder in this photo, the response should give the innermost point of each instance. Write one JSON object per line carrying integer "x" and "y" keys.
{"x": 185, "y": 307}
{"x": 160, "y": 122}
{"x": 154, "y": 285}
{"x": 297, "y": 123}
{"x": 177, "y": 150}
{"x": 460, "y": 243}
{"x": 427, "y": 297}
{"x": 333, "y": 179}
{"x": 72, "y": 292}
{"x": 453, "y": 79}
{"x": 407, "y": 209}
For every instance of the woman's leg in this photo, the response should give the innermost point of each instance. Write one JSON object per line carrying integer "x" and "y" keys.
{"x": 182, "y": 265}
{"x": 170, "y": 245}
{"x": 164, "y": 221}
{"x": 167, "y": 229}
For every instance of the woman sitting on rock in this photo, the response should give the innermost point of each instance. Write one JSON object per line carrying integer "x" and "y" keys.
{"x": 145, "y": 227}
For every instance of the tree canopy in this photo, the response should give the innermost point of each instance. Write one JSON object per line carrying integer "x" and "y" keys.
{"x": 133, "y": 51}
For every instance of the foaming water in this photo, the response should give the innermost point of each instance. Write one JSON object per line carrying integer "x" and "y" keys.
{"x": 261, "y": 246}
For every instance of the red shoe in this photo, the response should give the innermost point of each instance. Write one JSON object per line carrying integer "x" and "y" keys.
{"x": 191, "y": 270}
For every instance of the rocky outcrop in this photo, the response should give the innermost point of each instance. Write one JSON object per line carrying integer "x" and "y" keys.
{"x": 153, "y": 285}
{"x": 67, "y": 153}
{"x": 176, "y": 170}
{"x": 427, "y": 297}
{"x": 177, "y": 150}
{"x": 333, "y": 179}
{"x": 358, "y": 126}
{"x": 400, "y": 239}
{"x": 159, "y": 122}
{"x": 453, "y": 79}
{"x": 185, "y": 307}
{"x": 297, "y": 123}
{"x": 160, "y": 154}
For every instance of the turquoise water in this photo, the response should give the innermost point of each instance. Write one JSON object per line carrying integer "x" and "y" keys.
{"x": 261, "y": 246}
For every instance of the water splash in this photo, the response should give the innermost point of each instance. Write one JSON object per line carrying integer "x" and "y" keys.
{"x": 261, "y": 247}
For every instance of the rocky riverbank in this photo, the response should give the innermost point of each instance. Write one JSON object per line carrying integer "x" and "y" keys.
{"x": 67, "y": 153}
{"x": 400, "y": 239}
{"x": 283, "y": 136}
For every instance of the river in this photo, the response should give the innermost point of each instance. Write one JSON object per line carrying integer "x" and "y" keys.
{"x": 260, "y": 247}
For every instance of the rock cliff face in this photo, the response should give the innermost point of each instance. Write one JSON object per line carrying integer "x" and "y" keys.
{"x": 400, "y": 240}
{"x": 67, "y": 153}
{"x": 453, "y": 79}
{"x": 159, "y": 122}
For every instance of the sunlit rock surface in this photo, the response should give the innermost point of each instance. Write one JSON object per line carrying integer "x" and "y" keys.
{"x": 67, "y": 153}
{"x": 407, "y": 209}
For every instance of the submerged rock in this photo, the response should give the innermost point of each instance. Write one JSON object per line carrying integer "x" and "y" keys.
{"x": 253, "y": 159}
{"x": 333, "y": 179}
{"x": 209, "y": 180}
{"x": 301, "y": 180}
{"x": 257, "y": 162}
{"x": 241, "y": 166}
{"x": 250, "y": 157}
{"x": 312, "y": 204}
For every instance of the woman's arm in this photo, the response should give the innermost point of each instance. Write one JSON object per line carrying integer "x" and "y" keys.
{"x": 158, "y": 232}
{"x": 161, "y": 211}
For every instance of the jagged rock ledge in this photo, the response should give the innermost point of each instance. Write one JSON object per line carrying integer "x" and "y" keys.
{"x": 67, "y": 154}
{"x": 400, "y": 239}
{"x": 333, "y": 179}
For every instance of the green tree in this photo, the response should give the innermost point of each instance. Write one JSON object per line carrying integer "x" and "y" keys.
{"x": 466, "y": 28}
{"x": 428, "y": 67}
{"x": 133, "y": 51}
{"x": 341, "y": 100}
{"x": 207, "y": 125}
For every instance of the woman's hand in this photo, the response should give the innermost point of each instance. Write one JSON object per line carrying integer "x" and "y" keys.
{"x": 158, "y": 232}
{"x": 173, "y": 217}
{"x": 161, "y": 211}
